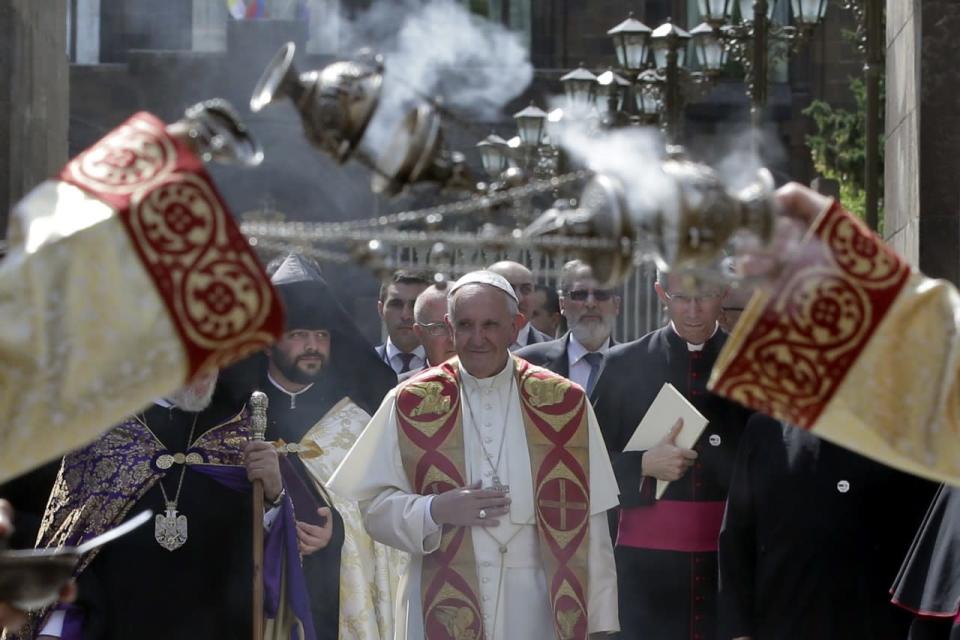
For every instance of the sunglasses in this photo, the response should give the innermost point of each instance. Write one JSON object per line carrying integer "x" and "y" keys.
{"x": 581, "y": 295}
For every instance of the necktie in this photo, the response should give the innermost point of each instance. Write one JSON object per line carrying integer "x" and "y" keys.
{"x": 594, "y": 360}
{"x": 406, "y": 358}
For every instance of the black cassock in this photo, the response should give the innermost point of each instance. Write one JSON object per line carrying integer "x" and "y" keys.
{"x": 321, "y": 568}
{"x": 929, "y": 580}
{"x": 812, "y": 539}
{"x": 135, "y": 588}
{"x": 666, "y": 549}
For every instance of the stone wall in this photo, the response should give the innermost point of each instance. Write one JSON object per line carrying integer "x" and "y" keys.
{"x": 939, "y": 139}
{"x": 34, "y": 96}
{"x": 901, "y": 149}
{"x": 922, "y": 170}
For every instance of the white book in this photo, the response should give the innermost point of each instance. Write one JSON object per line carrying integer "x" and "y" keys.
{"x": 667, "y": 407}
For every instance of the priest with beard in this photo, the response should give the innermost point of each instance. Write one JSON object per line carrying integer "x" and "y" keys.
{"x": 189, "y": 575}
{"x": 323, "y": 381}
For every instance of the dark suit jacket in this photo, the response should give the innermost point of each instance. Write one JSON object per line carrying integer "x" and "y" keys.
{"x": 409, "y": 374}
{"x": 552, "y": 354}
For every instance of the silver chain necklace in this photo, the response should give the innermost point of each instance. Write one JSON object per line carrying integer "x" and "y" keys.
{"x": 497, "y": 485}
{"x": 170, "y": 528}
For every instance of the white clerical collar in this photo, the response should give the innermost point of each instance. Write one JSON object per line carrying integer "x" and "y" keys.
{"x": 690, "y": 345}
{"x": 500, "y": 379}
{"x": 576, "y": 350}
{"x": 165, "y": 403}
{"x": 293, "y": 394}
{"x": 392, "y": 350}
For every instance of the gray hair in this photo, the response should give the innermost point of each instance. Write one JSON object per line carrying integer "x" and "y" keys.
{"x": 512, "y": 306}
{"x": 570, "y": 271}
{"x": 434, "y": 291}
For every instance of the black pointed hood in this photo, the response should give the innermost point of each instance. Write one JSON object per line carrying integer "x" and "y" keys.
{"x": 354, "y": 370}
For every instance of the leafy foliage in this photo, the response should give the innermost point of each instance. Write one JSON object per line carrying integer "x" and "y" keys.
{"x": 838, "y": 146}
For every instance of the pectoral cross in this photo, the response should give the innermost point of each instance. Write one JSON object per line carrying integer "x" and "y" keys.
{"x": 499, "y": 486}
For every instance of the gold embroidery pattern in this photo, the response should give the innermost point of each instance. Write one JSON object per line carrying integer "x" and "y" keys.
{"x": 545, "y": 392}
{"x": 791, "y": 359}
{"x": 433, "y": 402}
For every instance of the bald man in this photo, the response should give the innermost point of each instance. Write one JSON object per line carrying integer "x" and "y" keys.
{"x": 428, "y": 325}
{"x": 521, "y": 279}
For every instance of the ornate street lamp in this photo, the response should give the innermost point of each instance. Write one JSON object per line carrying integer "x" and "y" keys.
{"x": 708, "y": 47}
{"x": 666, "y": 39}
{"x": 669, "y": 44}
{"x": 716, "y": 12}
{"x": 748, "y": 9}
{"x": 611, "y": 92}
{"x": 579, "y": 86}
{"x": 630, "y": 41}
{"x": 530, "y": 125}
{"x": 493, "y": 154}
{"x": 808, "y": 13}
{"x": 649, "y": 95}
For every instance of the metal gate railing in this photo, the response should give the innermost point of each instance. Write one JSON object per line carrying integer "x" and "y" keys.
{"x": 640, "y": 310}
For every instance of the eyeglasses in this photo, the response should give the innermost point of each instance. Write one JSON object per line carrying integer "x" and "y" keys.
{"x": 435, "y": 329}
{"x": 581, "y": 295}
{"x": 687, "y": 298}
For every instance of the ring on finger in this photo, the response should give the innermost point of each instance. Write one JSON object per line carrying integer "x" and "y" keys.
{"x": 483, "y": 514}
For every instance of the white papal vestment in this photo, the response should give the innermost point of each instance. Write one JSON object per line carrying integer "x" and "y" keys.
{"x": 516, "y": 604}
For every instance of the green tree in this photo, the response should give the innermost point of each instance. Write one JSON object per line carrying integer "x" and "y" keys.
{"x": 838, "y": 146}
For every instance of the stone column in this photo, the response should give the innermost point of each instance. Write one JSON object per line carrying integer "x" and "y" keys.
{"x": 922, "y": 154}
{"x": 210, "y": 25}
{"x": 34, "y": 96}
{"x": 87, "y": 32}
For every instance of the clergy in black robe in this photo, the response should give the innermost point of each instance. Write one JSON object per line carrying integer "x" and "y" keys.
{"x": 192, "y": 579}
{"x": 320, "y": 359}
{"x": 812, "y": 539}
{"x": 666, "y": 549}
{"x": 928, "y": 584}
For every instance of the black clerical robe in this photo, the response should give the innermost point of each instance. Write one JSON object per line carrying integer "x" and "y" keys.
{"x": 134, "y": 587}
{"x": 666, "y": 549}
{"x": 812, "y": 539}
{"x": 289, "y": 417}
{"x": 928, "y": 584}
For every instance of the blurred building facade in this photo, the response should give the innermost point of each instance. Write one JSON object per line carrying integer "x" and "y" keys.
{"x": 127, "y": 55}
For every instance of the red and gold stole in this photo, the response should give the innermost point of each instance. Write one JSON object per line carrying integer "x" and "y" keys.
{"x": 794, "y": 347}
{"x": 554, "y": 412}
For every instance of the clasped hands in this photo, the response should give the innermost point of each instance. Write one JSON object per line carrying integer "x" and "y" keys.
{"x": 470, "y": 507}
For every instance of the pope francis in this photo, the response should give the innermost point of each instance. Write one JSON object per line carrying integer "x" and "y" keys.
{"x": 492, "y": 473}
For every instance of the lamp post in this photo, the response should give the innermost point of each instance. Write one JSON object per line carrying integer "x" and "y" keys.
{"x": 669, "y": 44}
{"x": 748, "y": 38}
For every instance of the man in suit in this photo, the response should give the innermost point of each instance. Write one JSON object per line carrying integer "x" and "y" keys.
{"x": 402, "y": 350}
{"x": 591, "y": 313}
{"x": 434, "y": 334}
{"x": 521, "y": 279}
{"x": 545, "y": 313}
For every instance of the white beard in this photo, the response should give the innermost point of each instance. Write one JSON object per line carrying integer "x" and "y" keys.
{"x": 191, "y": 399}
{"x": 593, "y": 332}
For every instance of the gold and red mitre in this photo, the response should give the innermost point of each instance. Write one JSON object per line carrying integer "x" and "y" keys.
{"x": 126, "y": 276}
{"x": 555, "y": 417}
{"x": 855, "y": 345}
